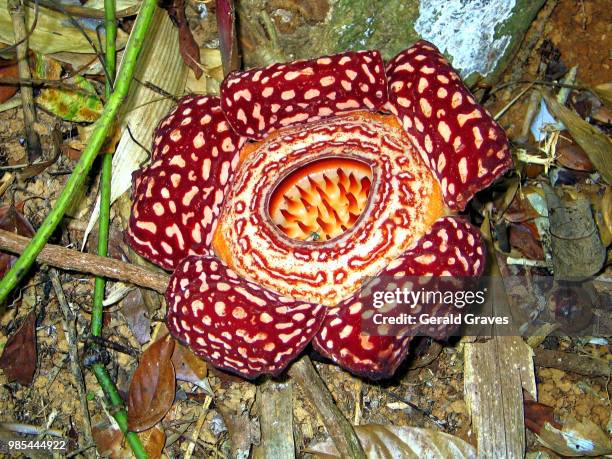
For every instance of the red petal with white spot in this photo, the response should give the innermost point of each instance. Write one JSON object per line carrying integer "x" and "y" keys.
{"x": 259, "y": 101}
{"x": 463, "y": 145}
{"x": 178, "y": 197}
{"x": 234, "y": 324}
{"x": 452, "y": 248}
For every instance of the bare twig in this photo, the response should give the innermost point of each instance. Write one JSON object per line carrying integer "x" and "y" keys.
{"x": 70, "y": 326}
{"x": 339, "y": 429}
{"x": 72, "y": 260}
{"x": 580, "y": 364}
{"x": 17, "y": 13}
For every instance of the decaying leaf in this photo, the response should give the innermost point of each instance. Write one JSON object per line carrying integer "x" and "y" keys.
{"x": 19, "y": 357}
{"x": 568, "y": 437}
{"x": 152, "y": 387}
{"x": 70, "y": 105}
{"x": 187, "y": 45}
{"x": 595, "y": 143}
{"x": 227, "y": 35}
{"x": 385, "y": 441}
{"x": 12, "y": 220}
{"x": 187, "y": 365}
{"x": 135, "y": 313}
{"x": 524, "y": 238}
{"x": 8, "y": 69}
{"x": 111, "y": 443}
{"x": 571, "y": 155}
{"x": 521, "y": 208}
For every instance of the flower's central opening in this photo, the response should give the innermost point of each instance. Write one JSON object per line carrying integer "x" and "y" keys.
{"x": 322, "y": 199}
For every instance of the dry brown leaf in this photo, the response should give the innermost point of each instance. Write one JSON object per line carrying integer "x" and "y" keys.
{"x": 524, "y": 238}
{"x": 571, "y": 155}
{"x": 394, "y": 442}
{"x": 19, "y": 357}
{"x": 595, "y": 143}
{"x": 110, "y": 442}
{"x": 152, "y": 387}
{"x": 8, "y": 69}
{"x": 12, "y": 220}
{"x": 568, "y": 438}
{"x": 135, "y": 312}
{"x": 187, "y": 365}
{"x": 520, "y": 209}
{"x": 604, "y": 92}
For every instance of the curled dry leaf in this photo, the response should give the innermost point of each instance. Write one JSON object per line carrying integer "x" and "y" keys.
{"x": 152, "y": 387}
{"x": 18, "y": 359}
{"x": 395, "y": 442}
{"x": 190, "y": 52}
{"x": 110, "y": 442}
{"x": 568, "y": 438}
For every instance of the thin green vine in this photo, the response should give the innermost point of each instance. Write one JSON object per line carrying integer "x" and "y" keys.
{"x": 99, "y": 370}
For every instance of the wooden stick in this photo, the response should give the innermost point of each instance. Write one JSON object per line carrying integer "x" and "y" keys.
{"x": 580, "y": 364}
{"x": 339, "y": 429}
{"x": 73, "y": 260}
{"x": 16, "y": 10}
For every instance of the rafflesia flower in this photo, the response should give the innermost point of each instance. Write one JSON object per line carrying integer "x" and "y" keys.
{"x": 276, "y": 202}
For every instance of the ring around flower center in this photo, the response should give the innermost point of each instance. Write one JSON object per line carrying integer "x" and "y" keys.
{"x": 322, "y": 199}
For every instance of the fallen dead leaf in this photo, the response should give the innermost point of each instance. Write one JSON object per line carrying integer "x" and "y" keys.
{"x": 190, "y": 52}
{"x": 386, "y": 442}
{"x": 8, "y": 69}
{"x": 569, "y": 437}
{"x": 524, "y": 238}
{"x": 110, "y": 442}
{"x": 571, "y": 155}
{"x": 135, "y": 313}
{"x": 19, "y": 357}
{"x": 153, "y": 386}
{"x": 187, "y": 365}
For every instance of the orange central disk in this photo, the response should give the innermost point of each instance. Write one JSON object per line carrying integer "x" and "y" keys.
{"x": 321, "y": 200}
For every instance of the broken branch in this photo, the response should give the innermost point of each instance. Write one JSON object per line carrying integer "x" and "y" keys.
{"x": 72, "y": 260}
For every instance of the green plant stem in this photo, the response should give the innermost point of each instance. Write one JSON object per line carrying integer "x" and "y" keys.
{"x": 95, "y": 144}
{"x": 118, "y": 410}
{"x": 104, "y": 379}
{"x": 110, "y": 25}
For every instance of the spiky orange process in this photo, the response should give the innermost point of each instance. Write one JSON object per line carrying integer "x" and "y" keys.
{"x": 321, "y": 200}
